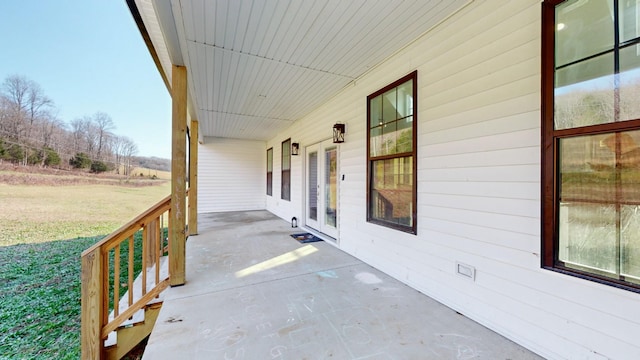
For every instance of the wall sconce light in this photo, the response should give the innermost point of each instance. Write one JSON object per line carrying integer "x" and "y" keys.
{"x": 338, "y": 133}
{"x": 294, "y": 148}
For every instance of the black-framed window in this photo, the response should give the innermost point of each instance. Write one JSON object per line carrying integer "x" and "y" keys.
{"x": 285, "y": 189}
{"x": 391, "y": 154}
{"x": 591, "y": 140}
{"x": 270, "y": 171}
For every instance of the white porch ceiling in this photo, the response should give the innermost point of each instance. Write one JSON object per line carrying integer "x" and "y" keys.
{"x": 256, "y": 66}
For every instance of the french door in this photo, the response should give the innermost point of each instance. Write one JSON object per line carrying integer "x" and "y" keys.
{"x": 322, "y": 188}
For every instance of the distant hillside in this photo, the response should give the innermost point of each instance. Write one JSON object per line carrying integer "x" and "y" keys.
{"x": 154, "y": 163}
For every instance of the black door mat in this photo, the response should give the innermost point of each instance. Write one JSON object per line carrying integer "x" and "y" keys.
{"x": 304, "y": 238}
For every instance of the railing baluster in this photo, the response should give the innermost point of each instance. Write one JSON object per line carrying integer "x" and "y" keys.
{"x": 144, "y": 259}
{"x": 116, "y": 281}
{"x": 168, "y": 228}
{"x": 131, "y": 274}
{"x": 105, "y": 287}
{"x": 158, "y": 247}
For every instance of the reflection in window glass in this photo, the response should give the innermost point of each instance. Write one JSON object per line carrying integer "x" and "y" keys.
{"x": 585, "y": 93}
{"x": 270, "y": 171}
{"x": 599, "y": 216}
{"x": 313, "y": 185}
{"x": 583, "y": 28}
{"x": 389, "y": 106}
{"x": 392, "y": 191}
{"x": 404, "y": 136}
{"x": 375, "y": 145}
{"x": 405, "y": 99}
{"x": 630, "y": 83}
{"x": 375, "y": 108}
{"x": 630, "y": 242}
{"x": 331, "y": 186}
{"x": 285, "y": 188}
{"x": 629, "y": 19}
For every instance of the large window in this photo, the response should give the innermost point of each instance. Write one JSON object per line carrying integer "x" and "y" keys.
{"x": 270, "y": 171}
{"x": 391, "y": 154}
{"x": 591, "y": 139}
{"x": 285, "y": 189}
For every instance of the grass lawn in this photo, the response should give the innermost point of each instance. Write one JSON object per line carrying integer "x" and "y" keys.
{"x": 40, "y": 300}
{"x": 43, "y": 231}
{"x": 32, "y": 214}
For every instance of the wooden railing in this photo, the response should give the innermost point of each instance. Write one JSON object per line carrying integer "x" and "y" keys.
{"x": 108, "y": 273}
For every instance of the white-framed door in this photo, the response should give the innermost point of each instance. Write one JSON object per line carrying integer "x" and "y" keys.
{"x": 321, "y": 200}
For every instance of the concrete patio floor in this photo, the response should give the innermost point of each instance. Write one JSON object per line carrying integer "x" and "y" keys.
{"x": 253, "y": 292}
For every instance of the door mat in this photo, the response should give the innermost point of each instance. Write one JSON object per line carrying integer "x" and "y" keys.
{"x": 304, "y": 238}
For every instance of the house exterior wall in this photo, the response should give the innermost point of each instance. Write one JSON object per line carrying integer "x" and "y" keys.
{"x": 231, "y": 175}
{"x": 478, "y": 187}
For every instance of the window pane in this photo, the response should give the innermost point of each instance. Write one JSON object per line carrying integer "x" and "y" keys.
{"x": 331, "y": 188}
{"x": 599, "y": 217}
{"x": 285, "y": 190}
{"x": 629, "y": 20}
{"x": 629, "y": 163}
{"x": 389, "y": 105}
{"x": 630, "y": 257}
{"x": 389, "y": 138}
{"x": 269, "y": 171}
{"x": 285, "y": 185}
{"x": 313, "y": 185}
{"x": 392, "y": 191}
{"x": 630, "y": 83}
{"x": 587, "y": 169}
{"x": 583, "y": 28}
{"x": 375, "y": 144}
{"x": 405, "y": 99}
{"x": 286, "y": 155}
{"x": 404, "y": 141}
{"x": 588, "y": 236}
{"x": 584, "y": 93}
{"x": 376, "y": 111}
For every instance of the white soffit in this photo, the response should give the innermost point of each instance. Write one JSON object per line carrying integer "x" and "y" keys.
{"x": 150, "y": 19}
{"x": 256, "y": 66}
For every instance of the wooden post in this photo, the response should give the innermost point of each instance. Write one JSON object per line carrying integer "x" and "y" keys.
{"x": 91, "y": 309}
{"x": 193, "y": 179}
{"x": 177, "y": 239}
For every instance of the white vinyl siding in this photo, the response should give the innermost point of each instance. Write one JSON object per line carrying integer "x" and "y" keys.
{"x": 231, "y": 175}
{"x": 478, "y": 187}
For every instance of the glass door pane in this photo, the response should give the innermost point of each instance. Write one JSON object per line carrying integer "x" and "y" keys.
{"x": 331, "y": 186}
{"x": 313, "y": 186}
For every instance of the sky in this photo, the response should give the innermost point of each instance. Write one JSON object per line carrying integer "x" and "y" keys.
{"x": 88, "y": 56}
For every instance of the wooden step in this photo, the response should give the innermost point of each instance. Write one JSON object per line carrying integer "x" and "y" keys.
{"x": 126, "y": 338}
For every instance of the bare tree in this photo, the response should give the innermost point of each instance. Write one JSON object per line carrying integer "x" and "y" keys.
{"x": 77, "y": 135}
{"x": 103, "y": 125}
{"x": 25, "y": 104}
{"x": 48, "y": 126}
{"x": 129, "y": 150}
{"x": 117, "y": 146}
{"x": 90, "y": 134}
{"x": 29, "y": 124}
{"x": 14, "y": 94}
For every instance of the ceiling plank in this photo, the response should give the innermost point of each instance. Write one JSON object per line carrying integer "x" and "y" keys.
{"x": 257, "y": 66}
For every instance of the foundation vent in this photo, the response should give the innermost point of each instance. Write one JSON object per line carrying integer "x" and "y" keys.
{"x": 466, "y": 271}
